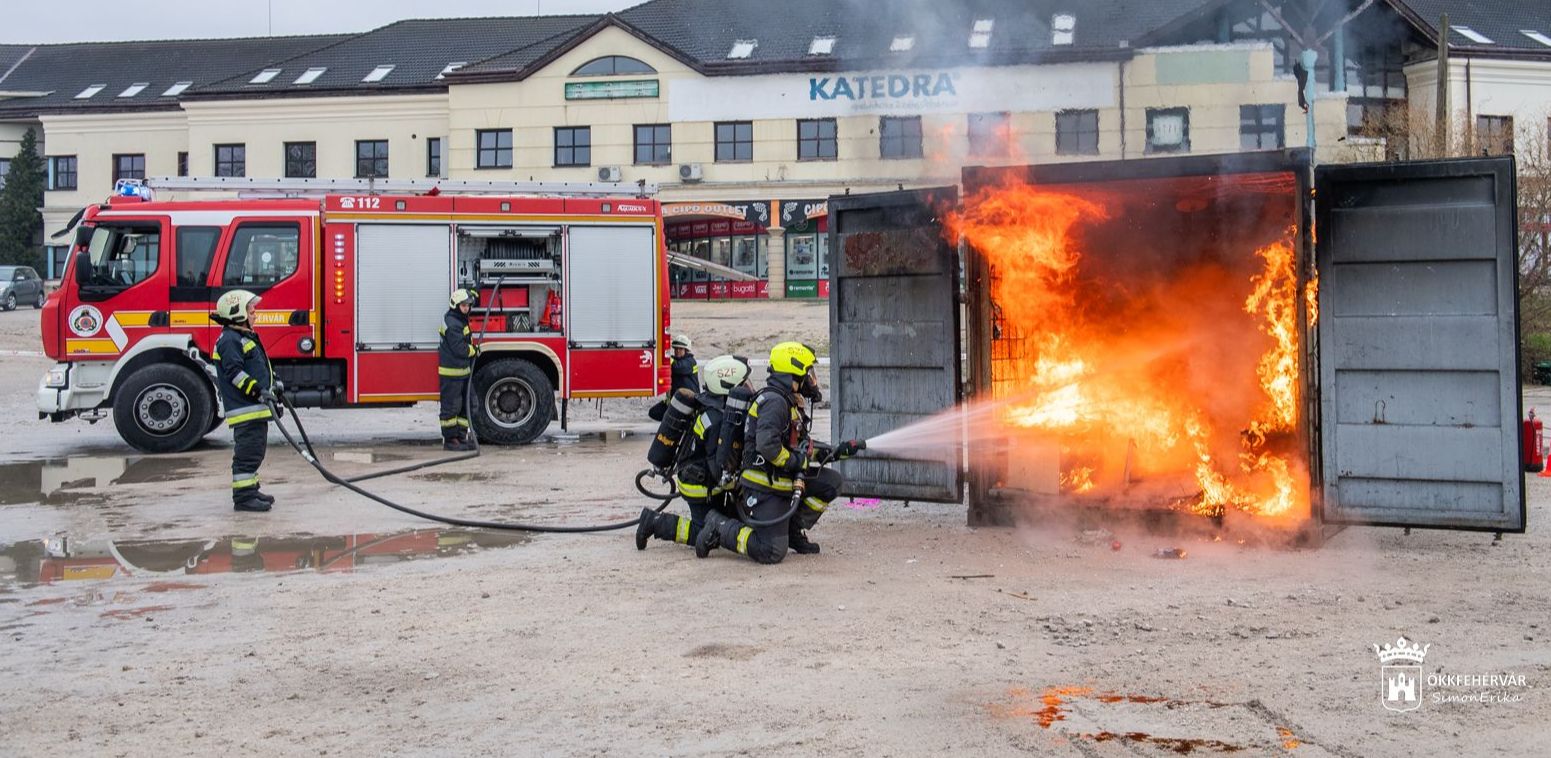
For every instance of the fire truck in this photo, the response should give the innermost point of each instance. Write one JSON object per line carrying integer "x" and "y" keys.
{"x": 354, "y": 278}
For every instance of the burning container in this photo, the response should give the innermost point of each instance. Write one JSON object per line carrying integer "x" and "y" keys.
{"x": 1234, "y": 337}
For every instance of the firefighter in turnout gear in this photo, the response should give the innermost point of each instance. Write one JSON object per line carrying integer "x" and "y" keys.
{"x": 248, "y": 388}
{"x": 455, "y": 361}
{"x": 685, "y": 374}
{"x": 779, "y": 463}
{"x": 700, "y": 485}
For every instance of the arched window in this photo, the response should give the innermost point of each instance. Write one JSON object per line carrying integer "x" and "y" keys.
{"x": 613, "y": 65}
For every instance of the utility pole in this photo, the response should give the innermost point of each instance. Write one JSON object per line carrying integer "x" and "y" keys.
{"x": 1445, "y": 112}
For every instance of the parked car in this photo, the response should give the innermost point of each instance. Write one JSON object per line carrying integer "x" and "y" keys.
{"x": 20, "y": 285}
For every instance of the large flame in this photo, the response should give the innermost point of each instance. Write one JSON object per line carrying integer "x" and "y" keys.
{"x": 1174, "y": 380}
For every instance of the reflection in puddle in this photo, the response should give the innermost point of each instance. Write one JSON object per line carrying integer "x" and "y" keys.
{"x": 65, "y": 480}
{"x": 66, "y": 559}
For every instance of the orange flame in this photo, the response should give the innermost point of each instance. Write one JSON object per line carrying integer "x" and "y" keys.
{"x": 1138, "y": 378}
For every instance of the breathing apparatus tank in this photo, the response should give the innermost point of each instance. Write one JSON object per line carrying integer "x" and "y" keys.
{"x": 728, "y": 455}
{"x": 681, "y": 411}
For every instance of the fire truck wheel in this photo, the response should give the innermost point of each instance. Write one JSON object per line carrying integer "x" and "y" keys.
{"x": 163, "y": 408}
{"x": 513, "y": 402}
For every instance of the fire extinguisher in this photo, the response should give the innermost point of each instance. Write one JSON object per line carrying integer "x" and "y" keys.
{"x": 1534, "y": 439}
{"x": 552, "y": 319}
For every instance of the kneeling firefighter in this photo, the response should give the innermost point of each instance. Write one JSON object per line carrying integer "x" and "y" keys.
{"x": 248, "y": 386}
{"x": 779, "y": 464}
{"x": 700, "y": 482}
{"x": 455, "y": 361}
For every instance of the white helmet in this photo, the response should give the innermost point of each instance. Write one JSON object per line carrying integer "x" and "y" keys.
{"x": 233, "y": 306}
{"x": 461, "y": 296}
{"x": 722, "y": 373}
{"x": 682, "y": 340}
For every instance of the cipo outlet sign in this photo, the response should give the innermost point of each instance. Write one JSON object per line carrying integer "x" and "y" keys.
{"x": 906, "y": 91}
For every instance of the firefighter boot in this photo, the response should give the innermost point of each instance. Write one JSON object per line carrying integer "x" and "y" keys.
{"x": 799, "y": 541}
{"x": 265, "y": 498}
{"x": 664, "y": 526}
{"x": 710, "y": 537}
{"x": 806, "y": 517}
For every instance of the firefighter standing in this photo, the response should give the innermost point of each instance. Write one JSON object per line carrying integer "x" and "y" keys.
{"x": 685, "y": 374}
{"x": 700, "y": 485}
{"x": 455, "y": 361}
{"x": 247, "y": 385}
{"x": 779, "y": 462}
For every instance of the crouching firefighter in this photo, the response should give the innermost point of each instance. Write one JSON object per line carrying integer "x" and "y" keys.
{"x": 780, "y": 466}
{"x": 248, "y": 387}
{"x": 454, "y": 363}
{"x": 699, "y": 475}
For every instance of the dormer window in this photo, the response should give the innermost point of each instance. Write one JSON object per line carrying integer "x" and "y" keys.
{"x": 822, "y": 46}
{"x": 451, "y": 67}
{"x": 310, "y": 75}
{"x": 266, "y": 76}
{"x": 1063, "y": 29}
{"x": 90, "y": 91}
{"x": 379, "y": 73}
{"x": 743, "y": 48}
{"x": 134, "y": 89}
{"x": 177, "y": 89}
{"x": 980, "y": 36}
{"x": 1537, "y": 36}
{"x": 903, "y": 43}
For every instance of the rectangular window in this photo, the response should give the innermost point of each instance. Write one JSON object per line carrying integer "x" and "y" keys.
{"x": 1077, "y": 133}
{"x": 1262, "y": 127}
{"x": 433, "y": 156}
{"x": 495, "y": 148}
{"x": 653, "y": 144}
{"x": 1168, "y": 130}
{"x": 816, "y": 140}
{"x": 734, "y": 141}
{"x": 5, "y": 170}
{"x": 183, "y": 164}
{"x": 301, "y": 160}
{"x": 573, "y": 146}
{"x": 195, "y": 250}
{"x": 371, "y": 159}
{"x": 990, "y": 134}
{"x": 231, "y": 160}
{"x": 1494, "y": 134}
{"x": 128, "y": 166}
{"x": 62, "y": 172}
{"x": 899, "y": 137}
{"x": 261, "y": 255}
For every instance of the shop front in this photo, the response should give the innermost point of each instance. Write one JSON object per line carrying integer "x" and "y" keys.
{"x": 729, "y": 234}
{"x": 807, "y": 247}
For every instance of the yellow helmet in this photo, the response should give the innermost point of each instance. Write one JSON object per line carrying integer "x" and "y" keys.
{"x": 792, "y": 358}
{"x": 233, "y": 306}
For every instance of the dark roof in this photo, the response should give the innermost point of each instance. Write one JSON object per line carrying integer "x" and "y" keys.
{"x": 418, "y": 49}
{"x": 64, "y": 71}
{"x": 1500, "y": 21}
{"x": 865, "y": 29}
{"x": 10, "y": 57}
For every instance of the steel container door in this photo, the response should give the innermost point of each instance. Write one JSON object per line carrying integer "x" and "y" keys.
{"x": 894, "y": 331}
{"x": 1418, "y": 344}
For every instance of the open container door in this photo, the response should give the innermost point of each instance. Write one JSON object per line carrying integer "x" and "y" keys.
{"x": 1418, "y": 344}
{"x": 894, "y": 331}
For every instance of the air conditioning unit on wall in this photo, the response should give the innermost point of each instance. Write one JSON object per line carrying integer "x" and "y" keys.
{"x": 691, "y": 172}
{"x": 609, "y": 174}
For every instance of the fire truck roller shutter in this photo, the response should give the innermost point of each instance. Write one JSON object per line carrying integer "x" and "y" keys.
{"x": 611, "y": 286}
{"x": 403, "y": 274}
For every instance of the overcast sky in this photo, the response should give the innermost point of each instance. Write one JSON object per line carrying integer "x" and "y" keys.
{"x": 94, "y": 20}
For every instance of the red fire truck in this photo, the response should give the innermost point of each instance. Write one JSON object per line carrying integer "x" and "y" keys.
{"x": 354, "y": 278}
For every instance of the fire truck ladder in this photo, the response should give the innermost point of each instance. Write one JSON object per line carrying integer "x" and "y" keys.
{"x": 255, "y": 187}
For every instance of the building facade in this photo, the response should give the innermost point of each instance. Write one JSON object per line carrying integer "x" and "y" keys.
{"x": 748, "y": 129}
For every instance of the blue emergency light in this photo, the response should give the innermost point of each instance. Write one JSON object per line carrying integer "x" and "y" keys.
{"x": 133, "y": 188}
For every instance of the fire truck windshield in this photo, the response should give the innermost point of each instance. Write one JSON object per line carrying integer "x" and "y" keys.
{"x": 119, "y": 257}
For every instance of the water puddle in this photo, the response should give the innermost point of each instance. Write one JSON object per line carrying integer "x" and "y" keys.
{"x": 1148, "y": 724}
{"x": 57, "y": 481}
{"x": 67, "y": 559}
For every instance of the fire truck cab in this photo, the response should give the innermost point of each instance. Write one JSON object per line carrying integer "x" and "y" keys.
{"x": 572, "y": 282}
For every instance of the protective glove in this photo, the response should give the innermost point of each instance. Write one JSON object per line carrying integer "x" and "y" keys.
{"x": 250, "y": 390}
{"x": 849, "y": 448}
{"x": 268, "y": 397}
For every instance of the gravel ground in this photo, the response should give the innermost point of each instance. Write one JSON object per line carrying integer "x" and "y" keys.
{"x": 334, "y": 626}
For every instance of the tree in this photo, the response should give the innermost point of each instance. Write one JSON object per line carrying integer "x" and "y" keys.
{"x": 20, "y": 222}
